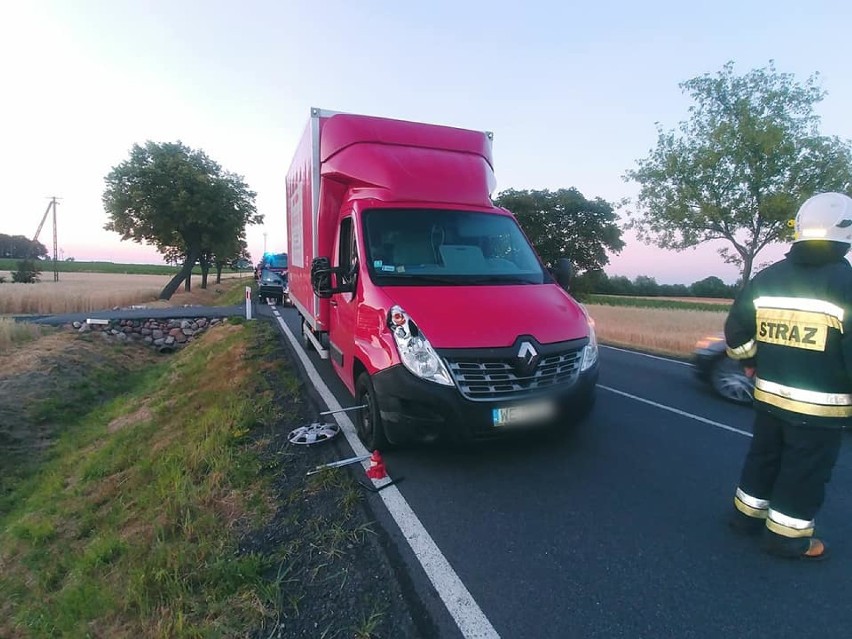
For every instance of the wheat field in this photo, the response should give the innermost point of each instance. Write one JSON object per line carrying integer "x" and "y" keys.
{"x": 667, "y": 331}
{"x": 81, "y": 292}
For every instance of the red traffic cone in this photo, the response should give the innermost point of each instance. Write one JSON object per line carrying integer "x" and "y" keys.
{"x": 377, "y": 468}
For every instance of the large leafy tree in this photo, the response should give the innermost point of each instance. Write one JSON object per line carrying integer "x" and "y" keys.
{"x": 563, "y": 223}
{"x": 740, "y": 166}
{"x": 179, "y": 200}
{"x": 20, "y": 247}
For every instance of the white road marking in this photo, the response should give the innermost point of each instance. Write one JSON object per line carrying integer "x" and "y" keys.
{"x": 676, "y": 411}
{"x": 467, "y": 614}
{"x": 665, "y": 359}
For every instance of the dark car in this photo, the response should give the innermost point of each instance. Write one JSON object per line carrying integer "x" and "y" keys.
{"x": 273, "y": 287}
{"x": 725, "y": 375}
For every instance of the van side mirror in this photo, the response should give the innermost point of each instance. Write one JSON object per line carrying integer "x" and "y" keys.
{"x": 322, "y": 276}
{"x": 563, "y": 272}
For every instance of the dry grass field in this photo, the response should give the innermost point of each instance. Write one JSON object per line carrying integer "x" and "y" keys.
{"x": 666, "y": 331}
{"x": 80, "y": 292}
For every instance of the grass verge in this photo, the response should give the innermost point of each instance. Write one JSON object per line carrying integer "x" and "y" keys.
{"x": 123, "y": 531}
{"x": 176, "y": 508}
{"x": 14, "y": 333}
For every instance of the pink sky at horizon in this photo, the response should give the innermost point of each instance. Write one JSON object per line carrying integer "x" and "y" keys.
{"x": 667, "y": 267}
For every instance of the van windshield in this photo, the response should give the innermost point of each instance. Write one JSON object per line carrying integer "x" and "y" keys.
{"x": 439, "y": 247}
{"x": 279, "y": 260}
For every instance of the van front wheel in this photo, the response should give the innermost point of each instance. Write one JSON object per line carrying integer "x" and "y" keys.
{"x": 371, "y": 432}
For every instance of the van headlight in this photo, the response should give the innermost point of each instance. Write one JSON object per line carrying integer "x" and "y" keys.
{"x": 590, "y": 350}
{"x": 415, "y": 351}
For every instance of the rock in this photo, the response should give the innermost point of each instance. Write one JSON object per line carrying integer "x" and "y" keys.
{"x": 157, "y": 334}
{"x": 159, "y": 341}
{"x": 77, "y": 324}
{"x": 169, "y": 341}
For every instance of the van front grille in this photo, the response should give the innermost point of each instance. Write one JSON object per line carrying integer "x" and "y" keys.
{"x": 489, "y": 379}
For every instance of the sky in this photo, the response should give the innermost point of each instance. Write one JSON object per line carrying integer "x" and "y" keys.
{"x": 572, "y": 91}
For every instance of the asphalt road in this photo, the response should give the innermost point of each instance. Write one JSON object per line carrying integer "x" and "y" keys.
{"x": 618, "y": 530}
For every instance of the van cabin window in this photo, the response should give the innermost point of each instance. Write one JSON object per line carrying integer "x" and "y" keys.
{"x": 347, "y": 251}
{"x": 432, "y": 247}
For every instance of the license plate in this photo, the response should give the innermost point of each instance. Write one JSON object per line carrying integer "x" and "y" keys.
{"x": 523, "y": 413}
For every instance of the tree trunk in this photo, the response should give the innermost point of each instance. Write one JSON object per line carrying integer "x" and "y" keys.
{"x": 204, "y": 271}
{"x": 185, "y": 274}
{"x": 748, "y": 262}
{"x": 218, "y": 273}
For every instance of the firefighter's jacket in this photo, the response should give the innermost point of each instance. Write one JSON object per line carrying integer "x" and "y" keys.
{"x": 793, "y": 322}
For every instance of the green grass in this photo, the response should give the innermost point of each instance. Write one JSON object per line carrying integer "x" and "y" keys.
{"x": 106, "y": 267}
{"x": 649, "y": 302}
{"x": 124, "y": 530}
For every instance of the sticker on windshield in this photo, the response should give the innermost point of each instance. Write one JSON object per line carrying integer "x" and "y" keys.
{"x": 389, "y": 267}
{"x": 377, "y": 264}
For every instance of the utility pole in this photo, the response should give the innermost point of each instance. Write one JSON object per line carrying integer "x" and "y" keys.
{"x": 55, "y": 244}
{"x": 50, "y": 207}
{"x": 264, "y": 242}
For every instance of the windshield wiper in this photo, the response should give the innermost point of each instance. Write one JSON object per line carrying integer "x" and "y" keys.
{"x": 498, "y": 279}
{"x": 426, "y": 279}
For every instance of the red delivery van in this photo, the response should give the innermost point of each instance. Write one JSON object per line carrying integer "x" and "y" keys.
{"x": 430, "y": 302}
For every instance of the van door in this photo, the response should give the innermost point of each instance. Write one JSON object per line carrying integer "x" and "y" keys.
{"x": 343, "y": 306}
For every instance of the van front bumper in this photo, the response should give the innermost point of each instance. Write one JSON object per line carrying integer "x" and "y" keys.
{"x": 414, "y": 410}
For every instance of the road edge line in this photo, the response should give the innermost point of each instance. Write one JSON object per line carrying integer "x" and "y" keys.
{"x": 464, "y": 610}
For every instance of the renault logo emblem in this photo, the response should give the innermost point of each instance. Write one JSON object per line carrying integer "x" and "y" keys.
{"x": 527, "y": 359}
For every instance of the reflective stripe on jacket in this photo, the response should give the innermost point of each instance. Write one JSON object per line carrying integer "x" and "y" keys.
{"x": 792, "y": 319}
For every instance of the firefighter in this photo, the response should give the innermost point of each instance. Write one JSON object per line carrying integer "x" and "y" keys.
{"x": 791, "y": 327}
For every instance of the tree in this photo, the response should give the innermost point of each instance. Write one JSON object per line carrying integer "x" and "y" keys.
{"x": 18, "y": 247}
{"x": 28, "y": 272}
{"x": 738, "y": 169}
{"x": 179, "y": 200}
{"x": 712, "y": 287}
{"x": 645, "y": 286}
{"x": 565, "y": 224}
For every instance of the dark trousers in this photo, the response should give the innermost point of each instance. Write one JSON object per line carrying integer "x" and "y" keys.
{"x": 789, "y": 465}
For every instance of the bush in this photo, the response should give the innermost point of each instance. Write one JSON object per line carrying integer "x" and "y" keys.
{"x": 27, "y": 273}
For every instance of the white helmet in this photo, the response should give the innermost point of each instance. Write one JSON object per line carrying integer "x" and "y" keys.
{"x": 827, "y": 216}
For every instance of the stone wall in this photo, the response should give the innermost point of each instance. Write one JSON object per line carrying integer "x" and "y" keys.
{"x": 164, "y": 335}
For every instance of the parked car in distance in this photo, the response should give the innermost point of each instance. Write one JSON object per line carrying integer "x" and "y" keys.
{"x": 725, "y": 375}
{"x": 273, "y": 287}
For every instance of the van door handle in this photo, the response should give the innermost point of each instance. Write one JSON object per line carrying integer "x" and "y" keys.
{"x": 333, "y": 303}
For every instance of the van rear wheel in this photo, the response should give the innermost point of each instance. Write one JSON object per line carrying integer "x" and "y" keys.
{"x": 369, "y": 426}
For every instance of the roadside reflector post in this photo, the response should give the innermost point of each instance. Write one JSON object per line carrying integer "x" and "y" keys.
{"x": 248, "y": 302}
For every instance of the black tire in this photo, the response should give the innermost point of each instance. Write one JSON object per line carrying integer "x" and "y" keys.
{"x": 369, "y": 425}
{"x": 730, "y": 382}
